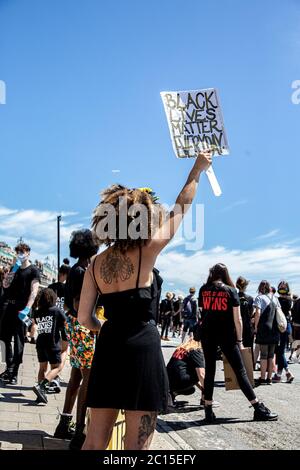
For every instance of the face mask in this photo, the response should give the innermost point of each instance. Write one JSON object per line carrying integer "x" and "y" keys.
{"x": 22, "y": 257}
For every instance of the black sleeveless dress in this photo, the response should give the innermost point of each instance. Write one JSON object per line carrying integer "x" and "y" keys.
{"x": 128, "y": 370}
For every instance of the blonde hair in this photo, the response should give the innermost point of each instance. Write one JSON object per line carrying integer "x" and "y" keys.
{"x": 121, "y": 198}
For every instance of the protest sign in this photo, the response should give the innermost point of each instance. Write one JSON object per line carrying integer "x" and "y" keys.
{"x": 195, "y": 122}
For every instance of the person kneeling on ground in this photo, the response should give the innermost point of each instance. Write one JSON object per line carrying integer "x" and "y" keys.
{"x": 50, "y": 322}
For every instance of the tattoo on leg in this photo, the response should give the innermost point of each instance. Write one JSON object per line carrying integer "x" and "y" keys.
{"x": 115, "y": 266}
{"x": 146, "y": 428}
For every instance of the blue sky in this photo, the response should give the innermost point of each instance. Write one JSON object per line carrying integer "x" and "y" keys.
{"x": 83, "y": 82}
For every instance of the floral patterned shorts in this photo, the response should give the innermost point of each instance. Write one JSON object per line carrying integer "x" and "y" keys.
{"x": 82, "y": 344}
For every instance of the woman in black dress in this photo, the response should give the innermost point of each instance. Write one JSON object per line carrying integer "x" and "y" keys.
{"x": 128, "y": 370}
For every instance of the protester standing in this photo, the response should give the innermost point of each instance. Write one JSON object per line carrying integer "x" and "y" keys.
{"x": 285, "y": 301}
{"x": 166, "y": 314}
{"x": 128, "y": 342}
{"x": 22, "y": 285}
{"x": 189, "y": 313}
{"x": 221, "y": 325}
{"x": 83, "y": 245}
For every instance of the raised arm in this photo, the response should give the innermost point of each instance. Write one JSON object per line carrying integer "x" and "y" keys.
{"x": 88, "y": 298}
{"x": 183, "y": 202}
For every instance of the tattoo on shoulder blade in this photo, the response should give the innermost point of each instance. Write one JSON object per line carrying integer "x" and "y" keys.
{"x": 116, "y": 266}
{"x": 146, "y": 428}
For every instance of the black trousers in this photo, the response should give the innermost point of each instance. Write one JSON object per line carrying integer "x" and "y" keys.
{"x": 13, "y": 328}
{"x": 165, "y": 325}
{"x": 233, "y": 355}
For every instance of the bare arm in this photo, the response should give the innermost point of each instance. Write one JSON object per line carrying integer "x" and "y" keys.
{"x": 34, "y": 292}
{"x": 256, "y": 318}
{"x": 87, "y": 303}
{"x": 238, "y": 324}
{"x": 183, "y": 202}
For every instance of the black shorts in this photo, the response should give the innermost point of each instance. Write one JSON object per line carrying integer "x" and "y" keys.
{"x": 53, "y": 356}
{"x": 63, "y": 335}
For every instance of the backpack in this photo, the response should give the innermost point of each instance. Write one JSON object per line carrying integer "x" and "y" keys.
{"x": 188, "y": 312}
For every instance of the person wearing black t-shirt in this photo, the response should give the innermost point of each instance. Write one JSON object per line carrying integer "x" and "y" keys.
{"x": 22, "y": 285}
{"x": 186, "y": 369}
{"x": 50, "y": 322}
{"x": 221, "y": 325}
{"x": 83, "y": 245}
{"x": 286, "y": 303}
{"x": 246, "y": 307}
{"x": 59, "y": 288}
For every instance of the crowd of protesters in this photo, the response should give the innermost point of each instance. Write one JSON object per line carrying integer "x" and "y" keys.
{"x": 116, "y": 359}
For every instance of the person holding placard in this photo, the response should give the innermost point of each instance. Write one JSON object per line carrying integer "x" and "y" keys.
{"x": 128, "y": 370}
{"x": 221, "y": 325}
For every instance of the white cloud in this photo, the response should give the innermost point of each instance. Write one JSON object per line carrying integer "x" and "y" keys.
{"x": 37, "y": 228}
{"x": 270, "y": 234}
{"x": 270, "y": 262}
{"x": 234, "y": 205}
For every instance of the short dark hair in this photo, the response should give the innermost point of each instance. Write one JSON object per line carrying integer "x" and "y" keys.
{"x": 47, "y": 299}
{"x": 83, "y": 244}
{"x": 64, "y": 269}
{"x": 21, "y": 247}
{"x": 66, "y": 261}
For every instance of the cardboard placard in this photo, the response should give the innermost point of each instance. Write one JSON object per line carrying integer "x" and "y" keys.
{"x": 195, "y": 122}
{"x": 231, "y": 382}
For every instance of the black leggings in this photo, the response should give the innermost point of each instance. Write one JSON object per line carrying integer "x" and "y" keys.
{"x": 233, "y": 355}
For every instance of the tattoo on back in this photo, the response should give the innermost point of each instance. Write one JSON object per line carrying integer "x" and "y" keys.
{"x": 146, "y": 428}
{"x": 116, "y": 266}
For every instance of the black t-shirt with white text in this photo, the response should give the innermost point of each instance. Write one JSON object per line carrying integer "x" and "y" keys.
{"x": 59, "y": 289}
{"x": 217, "y": 301}
{"x": 20, "y": 287}
{"x": 49, "y": 325}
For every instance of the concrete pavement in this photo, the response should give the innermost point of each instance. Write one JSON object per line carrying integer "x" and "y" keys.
{"x": 25, "y": 425}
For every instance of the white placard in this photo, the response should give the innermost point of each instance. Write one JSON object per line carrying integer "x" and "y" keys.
{"x": 195, "y": 122}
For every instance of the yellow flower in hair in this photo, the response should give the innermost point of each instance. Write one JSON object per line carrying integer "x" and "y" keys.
{"x": 150, "y": 192}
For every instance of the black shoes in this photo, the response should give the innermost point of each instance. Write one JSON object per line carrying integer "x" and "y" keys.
{"x": 9, "y": 377}
{"x": 5, "y": 376}
{"x": 40, "y": 392}
{"x": 261, "y": 381}
{"x": 262, "y": 413}
{"x": 210, "y": 416}
{"x": 53, "y": 387}
{"x": 65, "y": 428}
{"x": 77, "y": 441}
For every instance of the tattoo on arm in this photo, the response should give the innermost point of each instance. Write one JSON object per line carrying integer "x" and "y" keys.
{"x": 34, "y": 291}
{"x": 146, "y": 428}
{"x": 116, "y": 266}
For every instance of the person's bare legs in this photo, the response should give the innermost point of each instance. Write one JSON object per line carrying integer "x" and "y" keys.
{"x": 140, "y": 427}
{"x": 100, "y": 428}
{"x": 72, "y": 390}
{"x": 81, "y": 400}
{"x": 270, "y": 368}
{"x": 42, "y": 371}
{"x": 64, "y": 354}
{"x": 264, "y": 367}
{"x": 53, "y": 372}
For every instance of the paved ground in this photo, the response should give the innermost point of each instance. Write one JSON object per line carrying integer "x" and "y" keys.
{"x": 25, "y": 425}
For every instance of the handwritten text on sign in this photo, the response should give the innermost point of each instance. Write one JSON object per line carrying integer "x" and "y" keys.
{"x": 195, "y": 122}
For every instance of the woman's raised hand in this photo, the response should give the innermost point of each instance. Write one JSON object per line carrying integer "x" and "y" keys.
{"x": 204, "y": 160}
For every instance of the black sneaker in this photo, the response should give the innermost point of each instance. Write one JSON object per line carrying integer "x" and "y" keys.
{"x": 53, "y": 387}
{"x": 210, "y": 416}
{"x": 262, "y": 413}
{"x": 65, "y": 428}
{"x": 40, "y": 392}
{"x": 260, "y": 381}
{"x": 13, "y": 380}
{"x": 77, "y": 441}
{"x": 5, "y": 376}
